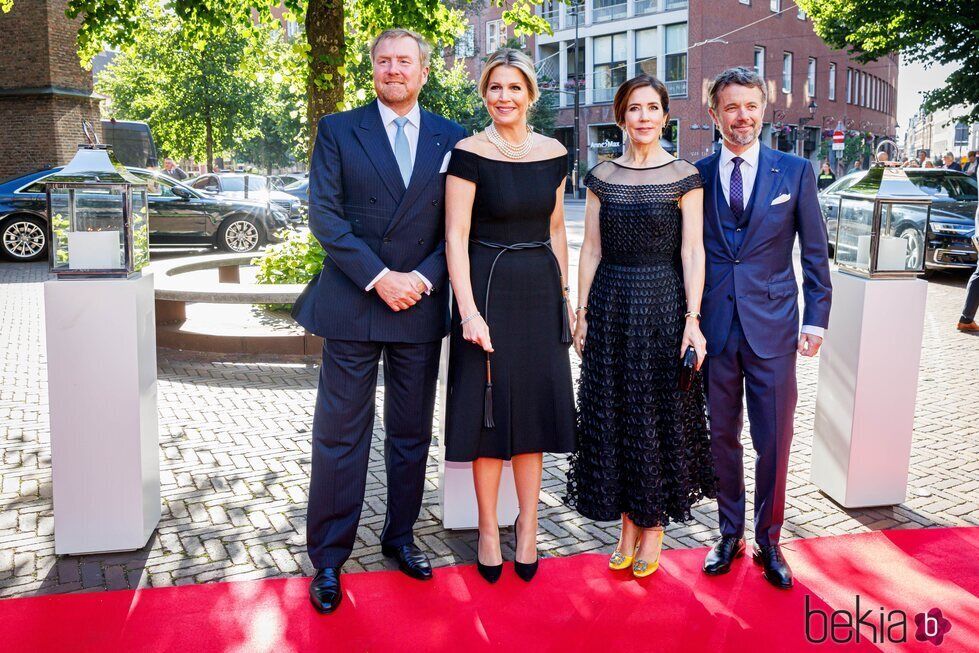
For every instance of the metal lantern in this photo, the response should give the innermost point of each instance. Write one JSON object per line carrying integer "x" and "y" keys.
{"x": 98, "y": 222}
{"x": 882, "y": 226}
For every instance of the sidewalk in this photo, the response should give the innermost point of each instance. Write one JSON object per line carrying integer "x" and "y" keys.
{"x": 235, "y": 444}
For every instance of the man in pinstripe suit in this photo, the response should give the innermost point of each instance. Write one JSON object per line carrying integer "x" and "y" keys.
{"x": 376, "y": 195}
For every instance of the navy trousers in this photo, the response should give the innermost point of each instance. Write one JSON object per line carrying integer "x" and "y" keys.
{"x": 343, "y": 425}
{"x": 770, "y": 385}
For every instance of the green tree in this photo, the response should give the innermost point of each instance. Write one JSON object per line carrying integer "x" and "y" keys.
{"x": 330, "y": 26}
{"x": 930, "y": 31}
{"x": 200, "y": 102}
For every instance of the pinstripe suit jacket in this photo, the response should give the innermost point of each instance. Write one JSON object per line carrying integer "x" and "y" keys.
{"x": 366, "y": 220}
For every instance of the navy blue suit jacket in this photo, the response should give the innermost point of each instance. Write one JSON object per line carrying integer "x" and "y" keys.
{"x": 759, "y": 279}
{"x": 366, "y": 220}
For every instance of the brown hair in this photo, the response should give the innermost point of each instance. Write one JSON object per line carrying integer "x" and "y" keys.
{"x": 621, "y": 102}
{"x": 740, "y": 76}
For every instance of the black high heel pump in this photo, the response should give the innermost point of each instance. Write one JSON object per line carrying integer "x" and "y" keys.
{"x": 526, "y": 570}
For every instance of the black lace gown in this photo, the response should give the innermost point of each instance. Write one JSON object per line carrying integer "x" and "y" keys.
{"x": 643, "y": 445}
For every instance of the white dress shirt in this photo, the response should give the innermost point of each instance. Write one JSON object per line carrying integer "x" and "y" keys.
{"x": 749, "y": 170}
{"x": 411, "y": 128}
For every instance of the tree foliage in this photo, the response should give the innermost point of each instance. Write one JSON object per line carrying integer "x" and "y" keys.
{"x": 203, "y": 102}
{"x": 930, "y": 31}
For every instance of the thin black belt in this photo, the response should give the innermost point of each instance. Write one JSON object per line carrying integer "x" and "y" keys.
{"x": 565, "y": 325}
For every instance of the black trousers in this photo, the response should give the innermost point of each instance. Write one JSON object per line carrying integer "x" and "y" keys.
{"x": 343, "y": 425}
{"x": 971, "y": 295}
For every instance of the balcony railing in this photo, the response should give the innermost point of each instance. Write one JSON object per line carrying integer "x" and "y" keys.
{"x": 609, "y": 12}
{"x": 553, "y": 19}
{"x": 672, "y": 5}
{"x": 644, "y": 7}
{"x": 677, "y": 88}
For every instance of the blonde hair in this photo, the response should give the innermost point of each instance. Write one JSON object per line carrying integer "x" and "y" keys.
{"x": 514, "y": 59}
{"x": 424, "y": 48}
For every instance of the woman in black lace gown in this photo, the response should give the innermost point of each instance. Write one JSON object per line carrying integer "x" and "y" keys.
{"x": 644, "y": 448}
{"x": 510, "y": 395}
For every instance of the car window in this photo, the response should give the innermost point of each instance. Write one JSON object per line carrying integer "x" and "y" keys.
{"x": 36, "y": 187}
{"x": 236, "y": 183}
{"x": 157, "y": 186}
{"x": 933, "y": 185}
{"x": 203, "y": 183}
{"x": 962, "y": 188}
{"x": 843, "y": 184}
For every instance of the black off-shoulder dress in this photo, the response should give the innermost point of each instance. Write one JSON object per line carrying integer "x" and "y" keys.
{"x": 532, "y": 395}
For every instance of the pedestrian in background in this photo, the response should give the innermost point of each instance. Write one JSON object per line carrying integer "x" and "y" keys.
{"x": 967, "y": 321}
{"x": 950, "y": 162}
{"x": 971, "y": 164}
{"x": 826, "y": 176}
{"x": 171, "y": 169}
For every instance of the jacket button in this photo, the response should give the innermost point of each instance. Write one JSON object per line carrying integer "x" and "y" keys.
{"x": 421, "y": 241}
{"x": 387, "y": 240}
{"x": 435, "y": 202}
{"x": 373, "y": 200}
{"x": 737, "y": 261}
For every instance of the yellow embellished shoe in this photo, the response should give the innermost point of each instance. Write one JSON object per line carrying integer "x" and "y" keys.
{"x": 620, "y": 561}
{"x": 642, "y": 568}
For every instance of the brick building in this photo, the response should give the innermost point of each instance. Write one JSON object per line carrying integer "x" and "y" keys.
{"x": 940, "y": 132}
{"x": 685, "y": 43}
{"x": 44, "y": 92}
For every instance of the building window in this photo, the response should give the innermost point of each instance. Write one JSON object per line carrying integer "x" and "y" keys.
{"x": 675, "y": 69}
{"x": 776, "y": 5}
{"x": 604, "y": 10}
{"x": 802, "y": 14}
{"x": 811, "y": 77}
{"x": 787, "y": 72}
{"x": 647, "y": 49}
{"x": 466, "y": 44}
{"x": 610, "y": 66}
{"x": 495, "y": 35}
{"x": 760, "y": 61}
{"x": 745, "y": 2}
{"x": 292, "y": 28}
{"x": 831, "y": 92}
{"x": 849, "y": 85}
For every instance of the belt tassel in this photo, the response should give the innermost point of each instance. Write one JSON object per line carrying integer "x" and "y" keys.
{"x": 565, "y": 324}
{"x": 488, "y": 398}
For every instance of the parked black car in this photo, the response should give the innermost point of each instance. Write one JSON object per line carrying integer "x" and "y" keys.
{"x": 179, "y": 216}
{"x": 949, "y": 241}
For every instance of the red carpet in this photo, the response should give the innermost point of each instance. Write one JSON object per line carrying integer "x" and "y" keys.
{"x": 574, "y": 604}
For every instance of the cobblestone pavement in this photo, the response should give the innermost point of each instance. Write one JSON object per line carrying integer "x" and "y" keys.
{"x": 235, "y": 442}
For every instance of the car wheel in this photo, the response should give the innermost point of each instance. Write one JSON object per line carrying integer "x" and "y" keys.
{"x": 24, "y": 238}
{"x": 240, "y": 235}
{"x": 916, "y": 246}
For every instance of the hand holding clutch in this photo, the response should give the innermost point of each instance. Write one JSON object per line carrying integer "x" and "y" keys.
{"x": 688, "y": 366}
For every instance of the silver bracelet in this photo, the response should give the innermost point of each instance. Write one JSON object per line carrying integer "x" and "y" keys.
{"x": 469, "y": 318}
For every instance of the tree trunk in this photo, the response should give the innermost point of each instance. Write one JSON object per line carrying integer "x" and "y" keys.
{"x": 209, "y": 140}
{"x": 324, "y": 31}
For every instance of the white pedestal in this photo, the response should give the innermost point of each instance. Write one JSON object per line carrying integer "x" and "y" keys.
{"x": 101, "y": 350}
{"x": 456, "y": 489}
{"x": 868, "y": 381}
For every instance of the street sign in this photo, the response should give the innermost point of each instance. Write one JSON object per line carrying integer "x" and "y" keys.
{"x": 838, "y": 137}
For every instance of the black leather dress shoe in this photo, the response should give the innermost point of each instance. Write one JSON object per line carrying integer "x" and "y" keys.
{"x": 722, "y": 554}
{"x": 776, "y": 569}
{"x": 411, "y": 560}
{"x": 324, "y": 590}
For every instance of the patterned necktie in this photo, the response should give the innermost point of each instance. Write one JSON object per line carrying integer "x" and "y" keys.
{"x": 402, "y": 152}
{"x": 737, "y": 189}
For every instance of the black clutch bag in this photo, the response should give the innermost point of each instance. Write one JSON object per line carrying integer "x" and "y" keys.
{"x": 688, "y": 366}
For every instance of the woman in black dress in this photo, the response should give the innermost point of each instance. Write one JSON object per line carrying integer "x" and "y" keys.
{"x": 510, "y": 395}
{"x": 644, "y": 449}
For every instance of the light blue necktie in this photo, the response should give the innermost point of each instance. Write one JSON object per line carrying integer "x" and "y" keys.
{"x": 402, "y": 151}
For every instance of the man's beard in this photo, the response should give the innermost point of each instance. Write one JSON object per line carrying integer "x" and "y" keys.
{"x": 393, "y": 94}
{"x": 743, "y": 139}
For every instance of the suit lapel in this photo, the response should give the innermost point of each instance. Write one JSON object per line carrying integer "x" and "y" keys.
{"x": 713, "y": 182}
{"x": 766, "y": 184}
{"x": 374, "y": 139}
{"x": 427, "y": 162}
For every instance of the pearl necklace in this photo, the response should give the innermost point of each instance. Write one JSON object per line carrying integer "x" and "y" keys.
{"x": 507, "y": 148}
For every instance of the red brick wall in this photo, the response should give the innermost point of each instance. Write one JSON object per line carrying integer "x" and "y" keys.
{"x": 38, "y": 51}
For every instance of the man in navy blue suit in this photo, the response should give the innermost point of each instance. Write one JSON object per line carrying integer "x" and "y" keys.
{"x": 376, "y": 192}
{"x": 756, "y": 201}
